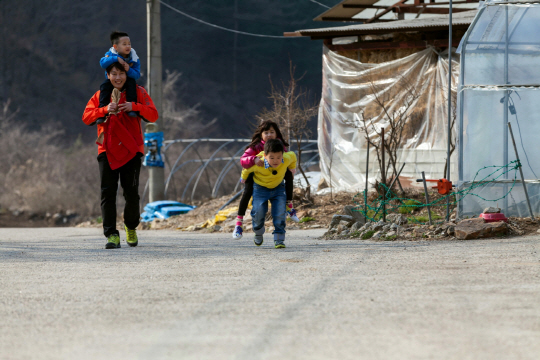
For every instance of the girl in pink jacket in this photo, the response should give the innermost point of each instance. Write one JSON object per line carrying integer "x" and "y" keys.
{"x": 267, "y": 130}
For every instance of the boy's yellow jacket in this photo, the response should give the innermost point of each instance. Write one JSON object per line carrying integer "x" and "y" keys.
{"x": 264, "y": 177}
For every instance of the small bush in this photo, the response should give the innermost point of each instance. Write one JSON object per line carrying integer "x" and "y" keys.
{"x": 409, "y": 206}
{"x": 391, "y": 237}
{"x": 368, "y": 235}
{"x": 306, "y": 219}
{"x": 371, "y": 215}
{"x": 424, "y": 218}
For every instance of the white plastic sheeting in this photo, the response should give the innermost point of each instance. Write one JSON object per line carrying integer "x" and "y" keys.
{"x": 499, "y": 85}
{"x": 349, "y": 96}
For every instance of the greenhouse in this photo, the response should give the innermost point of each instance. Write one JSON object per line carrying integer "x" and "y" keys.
{"x": 499, "y": 85}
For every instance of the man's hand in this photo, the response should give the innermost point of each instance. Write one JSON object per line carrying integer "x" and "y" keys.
{"x": 124, "y": 64}
{"x": 112, "y": 107}
{"x": 259, "y": 162}
{"x": 125, "y": 107}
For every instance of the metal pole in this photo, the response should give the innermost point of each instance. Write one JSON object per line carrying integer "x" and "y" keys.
{"x": 367, "y": 171}
{"x": 383, "y": 176}
{"x": 427, "y": 198}
{"x": 449, "y": 106}
{"x": 521, "y": 171}
{"x": 461, "y": 106}
{"x": 153, "y": 26}
{"x": 506, "y": 94}
{"x": 235, "y": 16}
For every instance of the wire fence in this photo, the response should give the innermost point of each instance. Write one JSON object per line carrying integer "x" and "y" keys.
{"x": 392, "y": 203}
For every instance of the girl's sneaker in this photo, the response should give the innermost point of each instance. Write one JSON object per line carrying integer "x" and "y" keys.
{"x": 237, "y": 233}
{"x": 292, "y": 215}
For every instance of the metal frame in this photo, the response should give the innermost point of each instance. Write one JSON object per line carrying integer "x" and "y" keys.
{"x": 202, "y": 170}
{"x": 231, "y": 162}
{"x": 506, "y": 87}
{"x": 418, "y": 7}
{"x": 461, "y": 85}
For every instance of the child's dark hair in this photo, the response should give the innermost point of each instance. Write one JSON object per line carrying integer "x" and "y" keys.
{"x": 115, "y": 65}
{"x": 273, "y": 146}
{"x": 116, "y": 35}
{"x": 265, "y": 126}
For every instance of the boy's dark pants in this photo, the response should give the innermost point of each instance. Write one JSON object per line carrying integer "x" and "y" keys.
{"x": 261, "y": 196}
{"x": 129, "y": 180}
{"x": 106, "y": 89}
{"x": 248, "y": 191}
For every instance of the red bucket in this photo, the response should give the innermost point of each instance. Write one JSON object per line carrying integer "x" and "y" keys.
{"x": 494, "y": 217}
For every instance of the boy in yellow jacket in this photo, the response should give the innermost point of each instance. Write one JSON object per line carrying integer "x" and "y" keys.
{"x": 268, "y": 185}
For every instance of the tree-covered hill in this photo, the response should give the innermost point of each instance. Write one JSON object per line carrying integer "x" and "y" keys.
{"x": 50, "y": 51}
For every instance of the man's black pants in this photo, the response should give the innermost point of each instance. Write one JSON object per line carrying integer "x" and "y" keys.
{"x": 129, "y": 180}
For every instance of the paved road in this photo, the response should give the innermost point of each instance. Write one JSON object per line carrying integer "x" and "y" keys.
{"x": 206, "y": 296}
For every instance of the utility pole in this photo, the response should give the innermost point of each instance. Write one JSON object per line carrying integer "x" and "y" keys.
{"x": 235, "y": 85}
{"x": 153, "y": 26}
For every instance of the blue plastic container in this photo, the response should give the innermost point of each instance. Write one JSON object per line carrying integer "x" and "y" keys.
{"x": 164, "y": 209}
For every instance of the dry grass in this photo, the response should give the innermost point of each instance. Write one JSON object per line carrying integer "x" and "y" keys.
{"x": 45, "y": 172}
{"x": 37, "y": 174}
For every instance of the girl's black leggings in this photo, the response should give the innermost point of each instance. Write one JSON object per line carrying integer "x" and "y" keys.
{"x": 248, "y": 191}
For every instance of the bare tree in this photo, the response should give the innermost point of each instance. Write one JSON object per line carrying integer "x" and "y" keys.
{"x": 180, "y": 120}
{"x": 394, "y": 115}
{"x": 6, "y": 115}
{"x": 292, "y": 111}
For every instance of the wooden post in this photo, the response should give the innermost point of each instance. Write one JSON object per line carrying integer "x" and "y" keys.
{"x": 153, "y": 18}
{"x": 365, "y": 192}
{"x": 383, "y": 176}
{"x": 427, "y": 198}
{"x": 521, "y": 172}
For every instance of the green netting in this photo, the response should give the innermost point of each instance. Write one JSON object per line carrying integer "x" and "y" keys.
{"x": 392, "y": 203}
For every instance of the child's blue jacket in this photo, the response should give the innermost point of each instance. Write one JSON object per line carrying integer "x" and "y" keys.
{"x": 134, "y": 63}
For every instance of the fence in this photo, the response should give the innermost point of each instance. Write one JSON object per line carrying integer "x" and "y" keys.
{"x": 206, "y": 167}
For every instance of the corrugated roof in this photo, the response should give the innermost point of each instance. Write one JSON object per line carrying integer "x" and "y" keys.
{"x": 459, "y": 20}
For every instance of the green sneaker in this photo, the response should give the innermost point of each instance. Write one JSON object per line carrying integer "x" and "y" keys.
{"x": 280, "y": 246}
{"x": 131, "y": 237}
{"x": 113, "y": 242}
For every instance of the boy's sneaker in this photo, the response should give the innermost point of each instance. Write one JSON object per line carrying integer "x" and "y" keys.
{"x": 280, "y": 245}
{"x": 113, "y": 242}
{"x": 131, "y": 237}
{"x": 292, "y": 215}
{"x": 258, "y": 240}
{"x": 237, "y": 233}
{"x": 132, "y": 113}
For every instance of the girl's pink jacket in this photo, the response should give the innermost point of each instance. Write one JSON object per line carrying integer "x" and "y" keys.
{"x": 248, "y": 159}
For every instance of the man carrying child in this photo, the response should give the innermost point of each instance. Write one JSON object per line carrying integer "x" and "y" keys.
{"x": 120, "y": 148}
{"x": 268, "y": 186}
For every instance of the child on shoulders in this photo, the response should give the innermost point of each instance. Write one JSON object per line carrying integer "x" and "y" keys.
{"x": 122, "y": 52}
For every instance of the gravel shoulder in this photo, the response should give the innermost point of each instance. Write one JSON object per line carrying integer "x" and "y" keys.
{"x": 183, "y": 295}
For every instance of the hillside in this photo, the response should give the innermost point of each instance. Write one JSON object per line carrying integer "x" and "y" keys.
{"x": 50, "y": 53}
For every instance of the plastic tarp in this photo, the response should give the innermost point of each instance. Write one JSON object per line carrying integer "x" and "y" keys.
{"x": 500, "y": 84}
{"x": 355, "y": 94}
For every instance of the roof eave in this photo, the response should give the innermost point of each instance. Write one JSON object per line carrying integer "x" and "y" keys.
{"x": 332, "y": 34}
